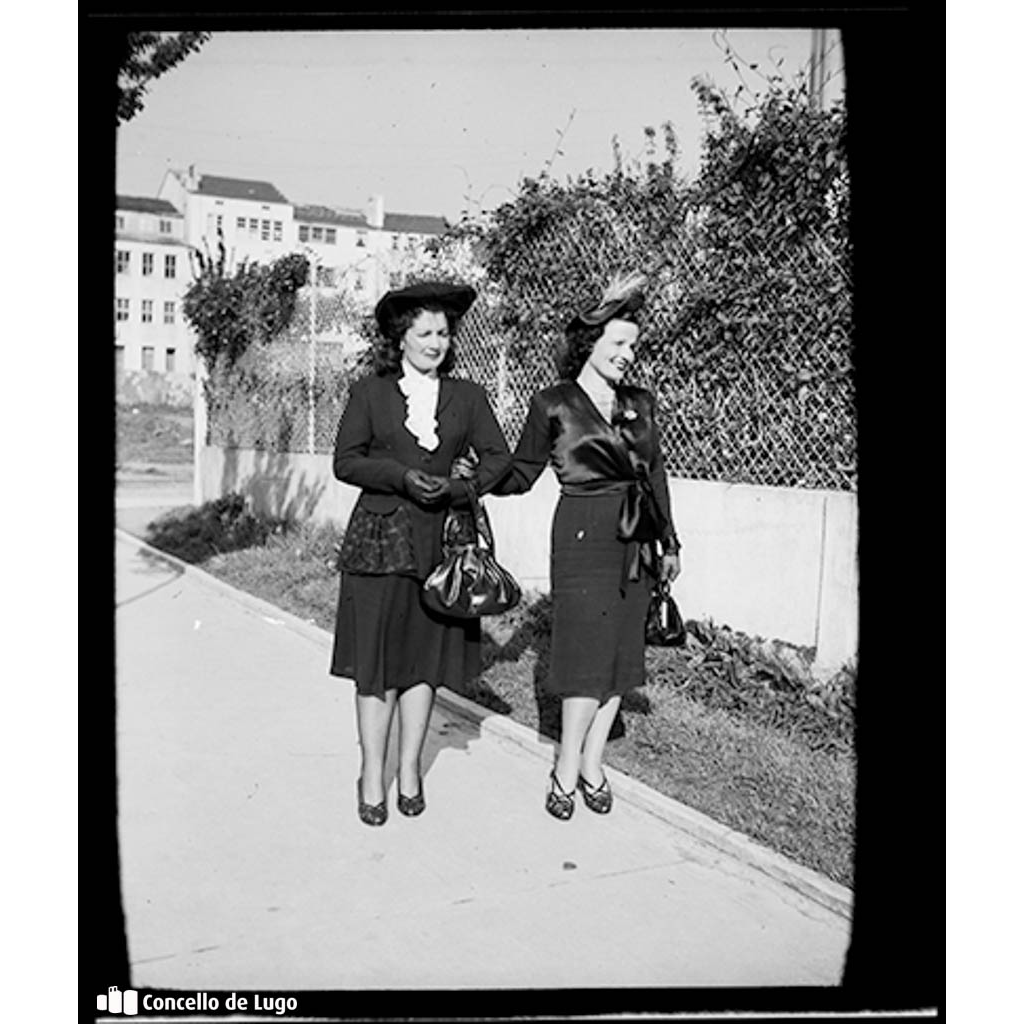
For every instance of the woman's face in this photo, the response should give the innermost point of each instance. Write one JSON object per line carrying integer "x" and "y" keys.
{"x": 614, "y": 350}
{"x": 426, "y": 342}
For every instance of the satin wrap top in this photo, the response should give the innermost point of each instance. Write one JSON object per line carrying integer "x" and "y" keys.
{"x": 591, "y": 456}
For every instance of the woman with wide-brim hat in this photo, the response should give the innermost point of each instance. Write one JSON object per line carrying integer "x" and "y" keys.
{"x": 611, "y": 534}
{"x": 406, "y": 438}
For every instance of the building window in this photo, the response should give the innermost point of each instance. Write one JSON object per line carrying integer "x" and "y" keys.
{"x": 360, "y": 239}
{"x": 170, "y": 266}
{"x": 166, "y": 227}
{"x": 147, "y": 357}
{"x": 119, "y": 359}
{"x": 326, "y": 276}
{"x": 277, "y": 231}
{"x": 331, "y": 236}
{"x": 122, "y": 309}
{"x": 147, "y": 264}
{"x": 265, "y": 230}
{"x": 394, "y": 242}
{"x": 394, "y": 279}
{"x": 122, "y": 261}
{"x": 169, "y": 355}
{"x": 147, "y": 311}
{"x": 240, "y": 223}
{"x": 359, "y": 283}
{"x": 303, "y": 232}
{"x": 318, "y": 234}
{"x": 168, "y": 312}
{"x": 119, "y": 222}
{"x": 254, "y": 226}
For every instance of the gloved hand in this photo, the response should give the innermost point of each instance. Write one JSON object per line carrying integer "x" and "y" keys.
{"x": 426, "y": 488}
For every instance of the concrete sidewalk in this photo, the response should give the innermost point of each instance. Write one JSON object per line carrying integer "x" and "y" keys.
{"x": 245, "y": 866}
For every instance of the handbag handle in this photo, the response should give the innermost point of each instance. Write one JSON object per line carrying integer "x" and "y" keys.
{"x": 481, "y": 522}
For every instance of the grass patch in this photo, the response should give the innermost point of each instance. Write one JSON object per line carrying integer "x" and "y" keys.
{"x": 154, "y": 433}
{"x": 294, "y": 569}
{"x": 734, "y": 726}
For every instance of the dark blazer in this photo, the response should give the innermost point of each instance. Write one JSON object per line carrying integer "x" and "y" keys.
{"x": 374, "y": 449}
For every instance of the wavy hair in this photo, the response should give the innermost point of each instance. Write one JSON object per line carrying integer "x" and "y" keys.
{"x": 579, "y": 342}
{"x": 387, "y": 352}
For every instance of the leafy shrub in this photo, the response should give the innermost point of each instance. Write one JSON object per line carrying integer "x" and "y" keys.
{"x": 768, "y": 682}
{"x": 194, "y": 535}
{"x": 230, "y": 311}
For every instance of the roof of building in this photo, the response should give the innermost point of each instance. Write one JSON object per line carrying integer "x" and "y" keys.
{"x": 415, "y": 223}
{"x": 150, "y": 239}
{"x": 239, "y": 188}
{"x": 143, "y": 204}
{"x": 330, "y": 215}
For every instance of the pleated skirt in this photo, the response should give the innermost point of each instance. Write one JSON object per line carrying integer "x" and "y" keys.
{"x": 597, "y": 639}
{"x": 386, "y": 639}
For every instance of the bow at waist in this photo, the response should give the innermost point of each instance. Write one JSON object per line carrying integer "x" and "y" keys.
{"x": 639, "y": 523}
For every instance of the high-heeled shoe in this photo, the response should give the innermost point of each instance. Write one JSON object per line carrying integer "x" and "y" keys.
{"x": 598, "y": 799}
{"x": 559, "y": 804}
{"x": 370, "y": 814}
{"x": 410, "y": 806}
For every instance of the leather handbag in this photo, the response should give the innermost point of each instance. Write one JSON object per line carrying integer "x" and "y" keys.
{"x": 469, "y": 582}
{"x": 664, "y": 625}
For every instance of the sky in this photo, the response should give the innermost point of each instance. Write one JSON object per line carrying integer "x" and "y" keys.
{"x": 437, "y": 122}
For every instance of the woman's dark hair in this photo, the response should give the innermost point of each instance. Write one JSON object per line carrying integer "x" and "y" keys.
{"x": 387, "y": 353}
{"x": 579, "y": 343}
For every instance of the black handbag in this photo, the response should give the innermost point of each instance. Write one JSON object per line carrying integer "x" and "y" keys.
{"x": 469, "y": 582}
{"x": 664, "y": 625}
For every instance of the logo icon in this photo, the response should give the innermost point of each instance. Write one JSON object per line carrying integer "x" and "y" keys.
{"x": 116, "y": 1001}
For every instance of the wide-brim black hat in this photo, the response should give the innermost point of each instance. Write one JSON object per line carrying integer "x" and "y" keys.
{"x": 456, "y": 297}
{"x": 624, "y": 294}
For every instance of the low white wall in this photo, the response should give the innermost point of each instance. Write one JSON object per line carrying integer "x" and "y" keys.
{"x": 775, "y": 562}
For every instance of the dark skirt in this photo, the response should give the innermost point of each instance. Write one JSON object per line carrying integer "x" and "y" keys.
{"x": 385, "y": 639}
{"x": 597, "y": 638}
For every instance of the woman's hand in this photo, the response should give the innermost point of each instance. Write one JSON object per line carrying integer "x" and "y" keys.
{"x": 427, "y": 488}
{"x": 671, "y": 565}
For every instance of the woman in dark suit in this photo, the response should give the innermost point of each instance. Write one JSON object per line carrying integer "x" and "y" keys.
{"x": 405, "y": 438}
{"x": 612, "y": 532}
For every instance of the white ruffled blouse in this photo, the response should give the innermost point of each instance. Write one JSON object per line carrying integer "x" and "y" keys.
{"x": 421, "y": 394}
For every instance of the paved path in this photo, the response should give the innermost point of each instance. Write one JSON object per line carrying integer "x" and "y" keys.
{"x": 245, "y": 866}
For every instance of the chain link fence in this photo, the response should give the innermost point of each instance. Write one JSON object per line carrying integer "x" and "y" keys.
{"x": 288, "y": 395}
{"x": 748, "y": 349}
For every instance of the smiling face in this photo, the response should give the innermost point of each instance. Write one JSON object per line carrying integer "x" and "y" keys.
{"x": 426, "y": 342}
{"x": 614, "y": 350}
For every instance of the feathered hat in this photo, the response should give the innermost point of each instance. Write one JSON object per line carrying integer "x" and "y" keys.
{"x": 624, "y": 294}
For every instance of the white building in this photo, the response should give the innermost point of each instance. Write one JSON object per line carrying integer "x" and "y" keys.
{"x": 339, "y": 245}
{"x": 358, "y": 253}
{"x": 362, "y": 253}
{"x": 401, "y": 241}
{"x": 255, "y": 219}
{"x": 151, "y": 273}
